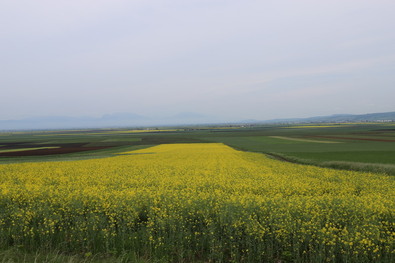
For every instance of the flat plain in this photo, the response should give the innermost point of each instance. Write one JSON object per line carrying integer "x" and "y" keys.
{"x": 285, "y": 193}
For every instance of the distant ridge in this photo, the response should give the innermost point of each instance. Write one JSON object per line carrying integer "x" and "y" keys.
{"x": 370, "y": 117}
{"x": 114, "y": 120}
{"x": 119, "y": 120}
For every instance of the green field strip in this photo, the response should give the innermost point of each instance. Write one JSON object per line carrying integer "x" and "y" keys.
{"x": 123, "y": 139}
{"x": 355, "y": 138}
{"x": 368, "y": 136}
{"x": 126, "y": 132}
{"x": 301, "y": 140}
{"x": 382, "y": 157}
{"x": 316, "y": 126}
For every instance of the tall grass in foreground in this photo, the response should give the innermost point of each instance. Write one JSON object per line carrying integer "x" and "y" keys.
{"x": 198, "y": 202}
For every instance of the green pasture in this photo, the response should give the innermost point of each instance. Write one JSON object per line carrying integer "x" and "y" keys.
{"x": 385, "y": 157}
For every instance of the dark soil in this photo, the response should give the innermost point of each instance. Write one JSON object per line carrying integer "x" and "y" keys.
{"x": 64, "y": 148}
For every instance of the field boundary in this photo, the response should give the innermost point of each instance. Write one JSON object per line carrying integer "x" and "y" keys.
{"x": 387, "y": 169}
{"x": 301, "y": 139}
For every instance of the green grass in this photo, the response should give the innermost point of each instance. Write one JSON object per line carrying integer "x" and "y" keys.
{"x": 15, "y": 255}
{"x": 387, "y": 169}
{"x": 383, "y": 157}
{"x": 303, "y": 139}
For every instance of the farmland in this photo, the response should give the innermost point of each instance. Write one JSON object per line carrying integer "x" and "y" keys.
{"x": 352, "y": 145}
{"x": 204, "y": 194}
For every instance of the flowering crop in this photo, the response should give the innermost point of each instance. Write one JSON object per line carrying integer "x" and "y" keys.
{"x": 199, "y": 201}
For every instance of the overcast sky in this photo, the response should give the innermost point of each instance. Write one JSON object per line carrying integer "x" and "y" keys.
{"x": 233, "y": 59}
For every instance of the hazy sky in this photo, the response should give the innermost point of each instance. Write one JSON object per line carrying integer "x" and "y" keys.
{"x": 234, "y": 59}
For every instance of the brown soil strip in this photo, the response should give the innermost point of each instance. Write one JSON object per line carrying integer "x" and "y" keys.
{"x": 65, "y": 148}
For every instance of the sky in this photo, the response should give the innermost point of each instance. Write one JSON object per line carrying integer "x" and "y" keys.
{"x": 233, "y": 59}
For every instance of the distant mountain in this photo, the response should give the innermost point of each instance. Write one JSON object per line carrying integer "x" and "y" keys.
{"x": 122, "y": 116}
{"x": 64, "y": 122}
{"x": 121, "y": 119}
{"x": 249, "y": 121}
{"x": 191, "y": 118}
{"x": 371, "y": 117}
{"x": 185, "y": 118}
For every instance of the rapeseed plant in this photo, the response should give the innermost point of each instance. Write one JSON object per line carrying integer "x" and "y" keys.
{"x": 198, "y": 201}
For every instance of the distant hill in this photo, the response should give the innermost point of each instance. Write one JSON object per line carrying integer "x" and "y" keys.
{"x": 106, "y": 121}
{"x": 371, "y": 117}
{"x": 186, "y": 118}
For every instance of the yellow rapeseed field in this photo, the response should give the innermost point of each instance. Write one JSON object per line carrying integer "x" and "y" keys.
{"x": 199, "y": 201}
